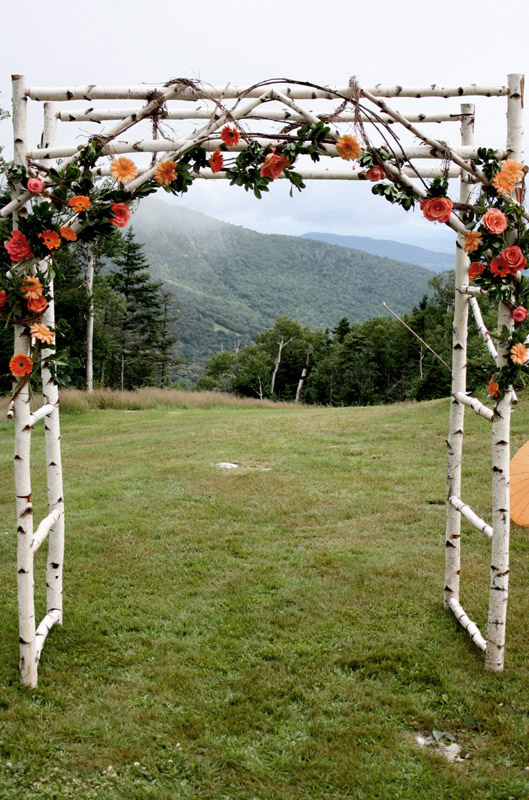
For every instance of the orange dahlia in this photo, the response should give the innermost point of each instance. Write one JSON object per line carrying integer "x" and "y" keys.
{"x": 165, "y": 172}
{"x": 472, "y": 241}
{"x": 79, "y": 203}
{"x": 230, "y": 136}
{"x": 348, "y": 147}
{"x": 123, "y": 169}
{"x": 216, "y": 161}
{"x": 51, "y": 239}
{"x": 69, "y": 234}
{"x": 42, "y": 333}
{"x": 32, "y": 288}
{"x": 20, "y": 365}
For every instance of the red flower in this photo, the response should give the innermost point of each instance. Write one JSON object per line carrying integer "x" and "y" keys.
{"x": 495, "y": 220}
{"x": 216, "y": 161}
{"x": 437, "y": 209}
{"x": 475, "y": 270}
{"x": 121, "y": 214}
{"x": 273, "y": 166}
{"x": 37, "y": 304}
{"x": 375, "y": 173}
{"x": 230, "y": 136}
{"x": 519, "y": 314}
{"x": 494, "y": 388}
{"x": 20, "y": 365}
{"x": 18, "y": 247}
{"x": 35, "y": 185}
{"x": 498, "y": 268}
{"x": 3, "y": 299}
{"x": 511, "y": 261}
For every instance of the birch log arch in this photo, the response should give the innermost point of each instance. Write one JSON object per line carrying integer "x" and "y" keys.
{"x": 252, "y": 136}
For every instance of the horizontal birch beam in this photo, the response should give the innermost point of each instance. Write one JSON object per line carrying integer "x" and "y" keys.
{"x": 41, "y": 412}
{"x": 165, "y": 145}
{"x": 473, "y": 291}
{"x": 293, "y": 90}
{"x": 470, "y": 515}
{"x": 311, "y": 174}
{"x": 109, "y": 114}
{"x": 476, "y": 311}
{"x": 470, "y": 627}
{"x": 476, "y": 405}
{"x": 43, "y": 529}
{"x": 44, "y": 628}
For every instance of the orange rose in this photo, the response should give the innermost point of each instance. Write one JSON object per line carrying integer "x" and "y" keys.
{"x": 519, "y": 314}
{"x": 273, "y": 166}
{"x": 437, "y": 209}
{"x": 37, "y": 305}
{"x": 18, "y": 247}
{"x": 495, "y": 220}
{"x": 121, "y": 214}
{"x": 376, "y": 173}
{"x": 511, "y": 261}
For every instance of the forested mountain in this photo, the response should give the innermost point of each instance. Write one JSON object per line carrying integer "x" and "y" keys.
{"x": 429, "y": 259}
{"x": 231, "y": 283}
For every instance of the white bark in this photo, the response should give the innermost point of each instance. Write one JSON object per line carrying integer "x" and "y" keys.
{"x": 482, "y": 328}
{"x": 499, "y": 569}
{"x": 89, "y": 283}
{"x": 281, "y": 344}
{"x": 316, "y": 174}
{"x": 297, "y": 92}
{"x": 41, "y": 412}
{"x": 471, "y": 516}
{"x": 303, "y": 377}
{"x": 470, "y": 627}
{"x": 476, "y": 405}
{"x": 459, "y": 379}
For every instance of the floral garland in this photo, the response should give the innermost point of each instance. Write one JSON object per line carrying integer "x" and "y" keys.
{"x": 67, "y": 206}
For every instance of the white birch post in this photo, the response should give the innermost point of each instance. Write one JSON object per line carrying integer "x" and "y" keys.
{"x": 24, "y": 507}
{"x": 499, "y": 569}
{"x": 89, "y": 283}
{"x": 459, "y": 379}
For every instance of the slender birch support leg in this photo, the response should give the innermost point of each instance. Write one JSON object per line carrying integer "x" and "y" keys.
{"x": 26, "y": 605}
{"x": 459, "y": 381}
{"x": 54, "y": 480}
{"x": 501, "y": 425}
{"x": 90, "y": 321}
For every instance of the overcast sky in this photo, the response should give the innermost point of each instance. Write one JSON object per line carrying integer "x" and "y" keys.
{"x": 222, "y": 41}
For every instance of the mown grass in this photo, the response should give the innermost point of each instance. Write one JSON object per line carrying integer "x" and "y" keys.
{"x": 271, "y": 632}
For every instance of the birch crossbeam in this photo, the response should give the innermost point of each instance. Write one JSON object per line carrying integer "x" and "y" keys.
{"x": 44, "y": 628}
{"x": 470, "y": 627}
{"x": 470, "y": 515}
{"x": 475, "y": 404}
{"x": 41, "y": 412}
{"x": 43, "y": 529}
{"x": 482, "y": 328}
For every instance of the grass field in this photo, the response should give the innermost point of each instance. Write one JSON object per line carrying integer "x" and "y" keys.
{"x": 274, "y": 632}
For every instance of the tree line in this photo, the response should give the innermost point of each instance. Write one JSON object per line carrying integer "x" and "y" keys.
{"x": 363, "y": 363}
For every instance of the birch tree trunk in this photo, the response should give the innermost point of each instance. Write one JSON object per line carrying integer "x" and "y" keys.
{"x": 90, "y": 321}
{"x": 459, "y": 381}
{"x": 302, "y": 379}
{"x": 281, "y": 345}
{"x": 499, "y": 569}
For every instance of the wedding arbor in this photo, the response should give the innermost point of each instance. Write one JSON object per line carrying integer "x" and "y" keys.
{"x": 252, "y": 136}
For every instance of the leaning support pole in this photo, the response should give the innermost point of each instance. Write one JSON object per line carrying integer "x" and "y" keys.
{"x": 499, "y": 568}
{"x": 459, "y": 379}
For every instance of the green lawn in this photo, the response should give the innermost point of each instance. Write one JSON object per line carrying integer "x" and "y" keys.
{"x": 274, "y": 632}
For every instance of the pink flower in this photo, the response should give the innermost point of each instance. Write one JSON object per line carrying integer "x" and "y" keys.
{"x": 18, "y": 247}
{"x": 375, "y": 173}
{"x": 519, "y": 314}
{"x": 35, "y": 185}
{"x": 495, "y": 220}
{"x": 121, "y": 214}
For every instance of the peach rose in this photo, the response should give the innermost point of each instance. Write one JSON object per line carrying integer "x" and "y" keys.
{"x": 18, "y": 247}
{"x": 513, "y": 258}
{"x": 519, "y": 314}
{"x": 273, "y": 166}
{"x": 375, "y": 173}
{"x": 495, "y": 220}
{"x": 121, "y": 214}
{"x": 437, "y": 209}
{"x": 35, "y": 185}
{"x": 37, "y": 305}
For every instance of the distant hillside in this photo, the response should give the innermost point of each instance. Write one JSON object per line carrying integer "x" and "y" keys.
{"x": 231, "y": 283}
{"x": 429, "y": 259}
